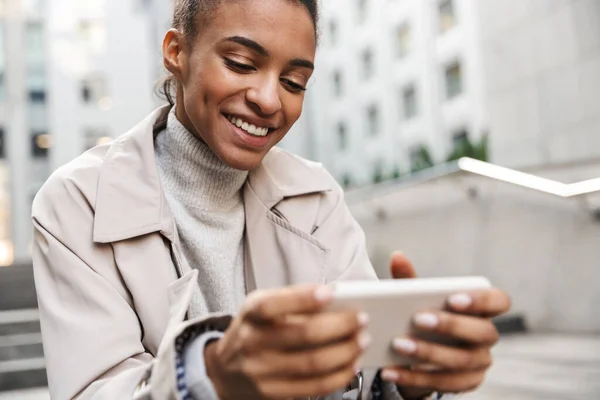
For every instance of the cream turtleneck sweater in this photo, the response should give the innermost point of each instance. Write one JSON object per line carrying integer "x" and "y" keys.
{"x": 205, "y": 197}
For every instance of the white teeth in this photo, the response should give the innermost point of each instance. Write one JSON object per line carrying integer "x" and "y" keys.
{"x": 251, "y": 129}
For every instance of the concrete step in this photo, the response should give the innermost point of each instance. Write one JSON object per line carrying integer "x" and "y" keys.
{"x": 21, "y": 346}
{"x": 17, "y": 289}
{"x": 21, "y": 353}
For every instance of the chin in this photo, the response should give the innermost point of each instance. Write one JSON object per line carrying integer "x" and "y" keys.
{"x": 242, "y": 160}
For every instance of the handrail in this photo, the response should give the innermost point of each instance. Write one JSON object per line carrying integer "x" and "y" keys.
{"x": 477, "y": 167}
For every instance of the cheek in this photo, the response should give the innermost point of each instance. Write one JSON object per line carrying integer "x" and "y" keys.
{"x": 293, "y": 108}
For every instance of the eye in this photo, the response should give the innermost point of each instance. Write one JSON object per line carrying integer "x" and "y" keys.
{"x": 238, "y": 67}
{"x": 293, "y": 86}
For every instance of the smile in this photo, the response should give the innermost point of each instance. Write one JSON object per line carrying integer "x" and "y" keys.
{"x": 247, "y": 127}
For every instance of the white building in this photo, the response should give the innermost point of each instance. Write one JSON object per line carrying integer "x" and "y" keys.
{"x": 392, "y": 76}
{"x": 543, "y": 80}
{"x": 72, "y": 74}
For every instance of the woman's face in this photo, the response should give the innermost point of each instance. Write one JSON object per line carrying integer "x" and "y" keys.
{"x": 241, "y": 80}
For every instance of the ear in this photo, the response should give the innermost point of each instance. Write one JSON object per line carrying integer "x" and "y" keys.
{"x": 173, "y": 52}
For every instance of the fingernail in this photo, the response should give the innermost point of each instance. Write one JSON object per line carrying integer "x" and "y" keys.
{"x": 323, "y": 294}
{"x": 363, "y": 319}
{"x": 364, "y": 340}
{"x": 405, "y": 346}
{"x": 390, "y": 375}
{"x": 460, "y": 300}
{"x": 426, "y": 320}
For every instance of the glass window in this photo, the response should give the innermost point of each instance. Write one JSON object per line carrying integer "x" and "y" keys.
{"x": 453, "y": 78}
{"x": 447, "y": 15}
{"x": 342, "y": 136}
{"x": 2, "y": 144}
{"x": 94, "y": 90}
{"x": 347, "y": 180}
{"x": 37, "y": 96}
{"x": 333, "y": 32}
{"x": 338, "y": 88}
{"x": 367, "y": 63}
{"x": 373, "y": 120}
{"x": 34, "y": 42}
{"x": 403, "y": 40}
{"x": 362, "y": 10}
{"x": 41, "y": 143}
{"x": 409, "y": 100}
{"x": 2, "y": 65}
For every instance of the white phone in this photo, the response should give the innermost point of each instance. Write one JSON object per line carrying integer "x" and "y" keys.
{"x": 391, "y": 304}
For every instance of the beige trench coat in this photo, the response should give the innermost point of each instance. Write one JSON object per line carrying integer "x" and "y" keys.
{"x": 106, "y": 261}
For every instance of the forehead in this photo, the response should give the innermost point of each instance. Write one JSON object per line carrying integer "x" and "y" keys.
{"x": 278, "y": 25}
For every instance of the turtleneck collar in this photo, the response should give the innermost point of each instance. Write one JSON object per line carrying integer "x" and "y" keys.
{"x": 192, "y": 172}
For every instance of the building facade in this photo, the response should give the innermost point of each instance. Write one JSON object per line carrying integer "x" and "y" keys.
{"x": 543, "y": 80}
{"x": 73, "y": 74}
{"x": 397, "y": 83}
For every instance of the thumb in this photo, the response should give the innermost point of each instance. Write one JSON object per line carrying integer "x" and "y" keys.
{"x": 401, "y": 267}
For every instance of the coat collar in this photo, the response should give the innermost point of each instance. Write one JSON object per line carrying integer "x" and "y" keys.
{"x": 130, "y": 199}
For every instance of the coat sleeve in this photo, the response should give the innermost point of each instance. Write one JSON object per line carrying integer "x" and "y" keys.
{"x": 91, "y": 334}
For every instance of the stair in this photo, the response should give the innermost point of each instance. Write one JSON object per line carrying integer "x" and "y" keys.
{"x": 21, "y": 354}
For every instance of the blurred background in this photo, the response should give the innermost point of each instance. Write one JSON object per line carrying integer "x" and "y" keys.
{"x": 422, "y": 109}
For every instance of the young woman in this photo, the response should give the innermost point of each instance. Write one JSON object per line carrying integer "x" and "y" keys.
{"x": 145, "y": 248}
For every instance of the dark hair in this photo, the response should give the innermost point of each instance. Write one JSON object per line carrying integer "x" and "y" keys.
{"x": 188, "y": 15}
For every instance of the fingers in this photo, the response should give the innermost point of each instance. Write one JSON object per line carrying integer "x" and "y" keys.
{"x": 313, "y": 387}
{"x": 300, "y": 332}
{"x": 473, "y": 330}
{"x": 401, "y": 267}
{"x": 309, "y": 363}
{"x": 490, "y": 303}
{"x": 451, "y": 382}
{"x": 444, "y": 357}
{"x": 269, "y": 306}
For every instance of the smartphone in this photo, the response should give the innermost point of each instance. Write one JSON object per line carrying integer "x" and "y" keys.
{"x": 392, "y": 303}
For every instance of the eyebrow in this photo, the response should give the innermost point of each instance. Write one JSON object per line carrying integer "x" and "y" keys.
{"x": 258, "y": 48}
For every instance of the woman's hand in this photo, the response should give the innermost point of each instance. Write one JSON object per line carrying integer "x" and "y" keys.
{"x": 448, "y": 368}
{"x": 283, "y": 346}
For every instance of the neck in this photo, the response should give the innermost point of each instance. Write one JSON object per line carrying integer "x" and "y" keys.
{"x": 191, "y": 170}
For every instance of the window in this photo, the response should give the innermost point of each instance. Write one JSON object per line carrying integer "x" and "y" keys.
{"x": 409, "y": 101}
{"x": 453, "y": 78}
{"x": 333, "y": 32}
{"x": 41, "y": 142}
{"x": 362, "y": 10}
{"x": 2, "y": 66}
{"x": 347, "y": 181}
{"x": 367, "y": 64}
{"x": 37, "y": 96}
{"x": 447, "y": 15}
{"x": 34, "y": 42}
{"x": 338, "y": 88}
{"x": 2, "y": 144}
{"x": 403, "y": 40}
{"x": 94, "y": 90}
{"x": 373, "y": 120}
{"x": 342, "y": 136}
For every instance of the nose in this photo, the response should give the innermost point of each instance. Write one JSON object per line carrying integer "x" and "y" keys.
{"x": 265, "y": 96}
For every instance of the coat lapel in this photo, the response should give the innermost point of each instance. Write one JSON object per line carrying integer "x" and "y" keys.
{"x": 277, "y": 252}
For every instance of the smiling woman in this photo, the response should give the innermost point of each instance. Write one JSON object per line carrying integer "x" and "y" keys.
{"x": 190, "y": 257}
